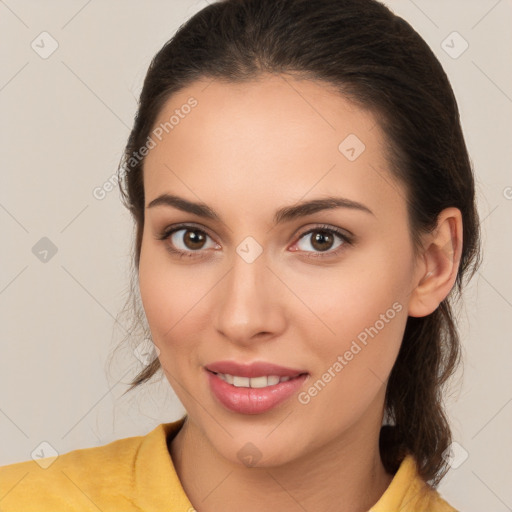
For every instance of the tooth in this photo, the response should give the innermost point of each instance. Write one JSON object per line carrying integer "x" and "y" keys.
{"x": 254, "y": 382}
{"x": 259, "y": 382}
{"x": 241, "y": 382}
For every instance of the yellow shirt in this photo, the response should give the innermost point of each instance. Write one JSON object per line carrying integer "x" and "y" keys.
{"x": 136, "y": 474}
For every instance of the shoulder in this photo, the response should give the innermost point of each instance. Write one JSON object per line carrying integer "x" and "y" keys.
{"x": 430, "y": 499}
{"x": 408, "y": 492}
{"x": 82, "y": 479}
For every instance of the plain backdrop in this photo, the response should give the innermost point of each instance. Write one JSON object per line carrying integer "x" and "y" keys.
{"x": 65, "y": 255}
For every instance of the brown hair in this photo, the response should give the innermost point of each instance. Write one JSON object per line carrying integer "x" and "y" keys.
{"x": 377, "y": 60}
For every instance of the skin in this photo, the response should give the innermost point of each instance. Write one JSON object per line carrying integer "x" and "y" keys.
{"x": 246, "y": 150}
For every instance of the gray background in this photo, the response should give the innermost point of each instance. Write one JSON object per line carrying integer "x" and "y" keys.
{"x": 64, "y": 120}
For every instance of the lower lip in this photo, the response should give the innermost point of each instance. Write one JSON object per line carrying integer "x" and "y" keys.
{"x": 253, "y": 400}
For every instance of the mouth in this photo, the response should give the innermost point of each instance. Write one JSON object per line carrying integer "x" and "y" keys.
{"x": 253, "y": 389}
{"x": 263, "y": 381}
{"x": 254, "y": 369}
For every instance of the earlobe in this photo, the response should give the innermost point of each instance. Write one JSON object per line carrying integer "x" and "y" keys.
{"x": 439, "y": 264}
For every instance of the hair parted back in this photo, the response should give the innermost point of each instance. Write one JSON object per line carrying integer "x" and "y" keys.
{"x": 377, "y": 60}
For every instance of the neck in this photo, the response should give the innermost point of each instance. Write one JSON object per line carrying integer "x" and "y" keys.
{"x": 344, "y": 475}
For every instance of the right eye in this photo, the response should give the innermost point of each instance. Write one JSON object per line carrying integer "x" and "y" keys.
{"x": 185, "y": 240}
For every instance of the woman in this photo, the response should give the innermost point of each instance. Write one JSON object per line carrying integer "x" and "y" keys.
{"x": 304, "y": 209}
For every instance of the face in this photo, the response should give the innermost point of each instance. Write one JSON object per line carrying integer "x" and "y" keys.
{"x": 323, "y": 292}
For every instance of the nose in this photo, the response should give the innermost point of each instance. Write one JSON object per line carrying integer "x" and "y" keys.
{"x": 250, "y": 302}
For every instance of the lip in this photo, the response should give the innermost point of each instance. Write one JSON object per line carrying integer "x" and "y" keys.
{"x": 256, "y": 369}
{"x": 245, "y": 400}
{"x": 253, "y": 400}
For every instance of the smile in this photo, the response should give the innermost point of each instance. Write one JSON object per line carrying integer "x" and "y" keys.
{"x": 252, "y": 382}
{"x": 253, "y": 395}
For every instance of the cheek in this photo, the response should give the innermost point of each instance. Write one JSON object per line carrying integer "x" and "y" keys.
{"x": 156, "y": 294}
{"x": 363, "y": 325}
{"x": 162, "y": 292}
{"x": 350, "y": 367}
{"x": 358, "y": 311}
{"x": 344, "y": 300}
{"x": 173, "y": 298}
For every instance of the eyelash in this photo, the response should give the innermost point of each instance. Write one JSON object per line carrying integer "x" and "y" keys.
{"x": 346, "y": 239}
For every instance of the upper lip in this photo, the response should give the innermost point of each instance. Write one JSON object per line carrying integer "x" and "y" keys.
{"x": 256, "y": 369}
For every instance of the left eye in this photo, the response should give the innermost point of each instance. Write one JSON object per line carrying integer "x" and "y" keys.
{"x": 322, "y": 240}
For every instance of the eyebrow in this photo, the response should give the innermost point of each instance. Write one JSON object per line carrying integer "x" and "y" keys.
{"x": 284, "y": 214}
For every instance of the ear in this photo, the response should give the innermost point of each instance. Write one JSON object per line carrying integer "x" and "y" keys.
{"x": 438, "y": 264}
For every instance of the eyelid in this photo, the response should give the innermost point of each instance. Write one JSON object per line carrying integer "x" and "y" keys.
{"x": 344, "y": 233}
{"x": 167, "y": 231}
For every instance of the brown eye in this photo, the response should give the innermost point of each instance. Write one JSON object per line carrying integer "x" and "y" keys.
{"x": 189, "y": 239}
{"x": 194, "y": 239}
{"x": 323, "y": 240}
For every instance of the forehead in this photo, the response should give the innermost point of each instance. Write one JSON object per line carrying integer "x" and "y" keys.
{"x": 275, "y": 137}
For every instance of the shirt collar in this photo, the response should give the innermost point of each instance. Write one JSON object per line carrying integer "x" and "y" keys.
{"x": 158, "y": 486}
